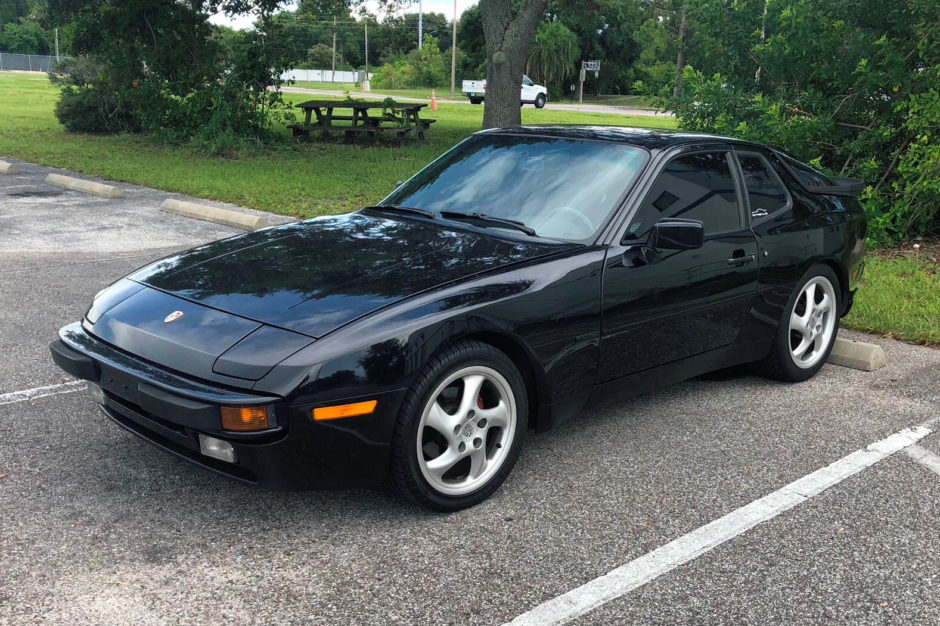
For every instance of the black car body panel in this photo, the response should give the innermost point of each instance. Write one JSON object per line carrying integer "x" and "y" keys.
{"x": 350, "y": 308}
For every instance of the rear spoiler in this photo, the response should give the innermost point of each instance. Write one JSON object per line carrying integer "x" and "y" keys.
{"x": 841, "y": 187}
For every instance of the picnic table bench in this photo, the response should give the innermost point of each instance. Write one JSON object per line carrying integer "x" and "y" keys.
{"x": 372, "y": 118}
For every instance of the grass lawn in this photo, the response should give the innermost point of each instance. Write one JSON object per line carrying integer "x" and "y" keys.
{"x": 303, "y": 179}
{"x": 900, "y": 295}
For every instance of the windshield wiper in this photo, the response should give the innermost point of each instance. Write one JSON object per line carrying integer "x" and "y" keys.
{"x": 489, "y": 218}
{"x": 394, "y": 208}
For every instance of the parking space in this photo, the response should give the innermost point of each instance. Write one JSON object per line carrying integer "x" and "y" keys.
{"x": 863, "y": 552}
{"x": 97, "y": 527}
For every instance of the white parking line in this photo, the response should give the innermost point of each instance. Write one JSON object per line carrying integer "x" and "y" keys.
{"x": 925, "y": 457}
{"x": 41, "y": 392}
{"x": 642, "y": 570}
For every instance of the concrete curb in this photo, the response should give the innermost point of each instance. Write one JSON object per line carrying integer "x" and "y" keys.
{"x": 857, "y": 354}
{"x": 8, "y": 168}
{"x": 218, "y": 215}
{"x": 80, "y": 184}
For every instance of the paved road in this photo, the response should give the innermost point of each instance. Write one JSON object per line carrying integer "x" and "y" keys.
{"x": 553, "y": 106}
{"x": 97, "y": 527}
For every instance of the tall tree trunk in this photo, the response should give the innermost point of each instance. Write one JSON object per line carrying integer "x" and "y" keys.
{"x": 508, "y": 39}
{"x": 680, "y": 55}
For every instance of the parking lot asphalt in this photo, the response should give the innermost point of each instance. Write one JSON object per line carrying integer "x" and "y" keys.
{"x": 98, "y": 527}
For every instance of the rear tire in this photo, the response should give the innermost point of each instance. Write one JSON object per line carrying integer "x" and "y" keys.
{"x": 807, "y": 329}
{"x": 460, "y": 428}
{"x": 476, "y": 100}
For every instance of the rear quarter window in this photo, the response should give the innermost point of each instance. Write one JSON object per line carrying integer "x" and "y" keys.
{"x": 766, "y": 193}
{"x": 808, "y": 176}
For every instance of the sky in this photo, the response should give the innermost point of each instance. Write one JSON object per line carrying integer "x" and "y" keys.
{"x": 436, "y": 6}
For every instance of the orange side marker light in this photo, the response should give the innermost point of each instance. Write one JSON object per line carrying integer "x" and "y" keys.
{"x": 344, "y": 410}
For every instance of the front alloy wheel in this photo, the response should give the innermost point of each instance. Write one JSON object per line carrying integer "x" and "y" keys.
{"x": 460, "y": 428}
{"x": 466, "y": 430}
{"x": 539, "y": 101}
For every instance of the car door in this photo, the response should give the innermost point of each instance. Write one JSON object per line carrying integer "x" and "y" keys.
{"x": 528, "y": 90}
{"x": 660, "y": 306}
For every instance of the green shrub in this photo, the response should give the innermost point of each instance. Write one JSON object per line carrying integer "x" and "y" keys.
{"x": 398, "y": 75}
{"x": 419, "y": 68}
{"x": 187, "y": 86}
{"x": 87, "y": 104}
{"x": 94, "y": 110}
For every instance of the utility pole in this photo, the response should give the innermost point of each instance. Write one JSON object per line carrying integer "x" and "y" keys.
{"x": 366, "y": 22}
{"x": 453, "y": 56}
{"x": 420, "y": 23}
{"x": 57, "y": 43}
{"x": 333, "y": 71}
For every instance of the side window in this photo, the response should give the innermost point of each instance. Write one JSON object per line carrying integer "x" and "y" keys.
{"x": 527, "y": 81}
{"x": 809, "y": 176}
{"x": 696, "y": 186}
{"x": 765, "y": 193}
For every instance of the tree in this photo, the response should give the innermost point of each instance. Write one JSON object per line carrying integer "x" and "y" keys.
{"x": 11, "y": 11}
{"x": 553, "y": 54}
{"x": 429, "y": 63}
{"x": 320, "y": 57}
{"x": 398, "y": 35}
{"x": 654, "y": 68}
{"x": 159, "y": 66}
{"x": 509, "y": 34}
{"x": 24, "y": 38}
{"x": 472, "y": 41}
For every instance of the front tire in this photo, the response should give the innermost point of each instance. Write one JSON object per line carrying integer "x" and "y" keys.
{"x": 540, "y": 101}
{"x": 460, "y": 428}
{"x": 807, "y": 330}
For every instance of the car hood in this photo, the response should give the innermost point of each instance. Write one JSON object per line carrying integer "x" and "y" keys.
{"x": 314, "y": 276}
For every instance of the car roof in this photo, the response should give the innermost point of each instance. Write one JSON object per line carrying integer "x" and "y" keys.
{"x": 649, "y": 138}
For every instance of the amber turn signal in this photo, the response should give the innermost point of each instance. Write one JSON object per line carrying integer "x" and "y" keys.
{"x": 344, "y": 410}
{"x": 245, "y": 418}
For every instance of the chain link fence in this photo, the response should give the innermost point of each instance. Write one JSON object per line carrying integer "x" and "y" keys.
{"x": 26, "y": 62}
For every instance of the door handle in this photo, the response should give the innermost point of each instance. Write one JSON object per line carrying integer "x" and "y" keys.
{"x": 741, "y": 260}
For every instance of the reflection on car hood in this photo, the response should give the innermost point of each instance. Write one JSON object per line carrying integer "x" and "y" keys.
{"x": 314, "y": 276}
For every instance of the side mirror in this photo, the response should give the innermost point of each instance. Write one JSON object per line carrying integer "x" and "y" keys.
{"x": 677, "y": 234}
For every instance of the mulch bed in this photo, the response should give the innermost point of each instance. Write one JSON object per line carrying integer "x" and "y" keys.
{"x": 925, "y": 249}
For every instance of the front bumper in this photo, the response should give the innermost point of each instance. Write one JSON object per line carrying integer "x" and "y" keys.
{"x": 170, "y": 411}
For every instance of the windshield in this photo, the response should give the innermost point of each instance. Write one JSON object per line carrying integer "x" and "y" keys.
{"x": 561, "y": 188}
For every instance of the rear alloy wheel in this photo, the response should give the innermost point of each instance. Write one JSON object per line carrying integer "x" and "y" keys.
{"x": 540, "y": 101}
{"x": 461, "y": 428}
{"x": 808, "y": 330}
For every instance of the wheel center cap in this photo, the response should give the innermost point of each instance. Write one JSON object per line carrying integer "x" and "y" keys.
{"x": 467, "y": 430}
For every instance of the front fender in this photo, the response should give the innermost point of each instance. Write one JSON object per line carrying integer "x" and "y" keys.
{"x": 549, "y": 309}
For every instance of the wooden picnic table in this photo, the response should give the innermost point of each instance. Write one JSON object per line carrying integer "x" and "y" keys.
{"x": 354, "y": 117}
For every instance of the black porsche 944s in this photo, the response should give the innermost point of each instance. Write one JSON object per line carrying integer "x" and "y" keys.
{"x": 523, "y": 275}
